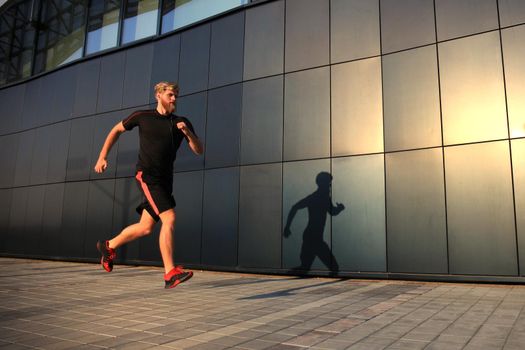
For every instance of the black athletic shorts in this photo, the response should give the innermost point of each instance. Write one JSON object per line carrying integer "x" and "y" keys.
{"x": 157, "y": 193}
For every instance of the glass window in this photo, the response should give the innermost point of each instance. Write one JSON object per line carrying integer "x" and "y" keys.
{"x": 140, "y": 19}
{"x": 179, "y": 13}
{"x": 103, "y": 21}
{"x": 61, "y": 36}
{"x": 16, "y": 43}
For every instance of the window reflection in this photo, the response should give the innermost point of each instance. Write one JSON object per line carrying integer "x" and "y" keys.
{"x": 61, "y": 34}
{"x": 179, "y": 13}
{"x": 16, "y": 43}
{"x": 140, "y": 19}
{"x": 103, "y": 20}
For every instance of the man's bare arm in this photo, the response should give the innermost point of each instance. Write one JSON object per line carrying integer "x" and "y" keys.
{"x": 193, "y": 141}
{"x": 111, "y": 139}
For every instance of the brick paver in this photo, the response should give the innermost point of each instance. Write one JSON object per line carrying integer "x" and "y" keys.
{"x": 63, "y": 305}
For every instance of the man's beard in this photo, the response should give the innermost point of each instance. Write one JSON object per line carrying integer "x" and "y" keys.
{"x": 169, "y": 107}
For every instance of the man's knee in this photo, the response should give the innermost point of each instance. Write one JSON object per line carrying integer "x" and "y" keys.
{"x": 168, "y": 218}
{"x": 146, "y": 229}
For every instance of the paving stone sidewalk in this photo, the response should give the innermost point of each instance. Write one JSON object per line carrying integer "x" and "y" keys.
{"x": 62, "y": 305}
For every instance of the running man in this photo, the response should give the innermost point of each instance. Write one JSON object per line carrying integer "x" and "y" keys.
{"x": 160, "y": 133}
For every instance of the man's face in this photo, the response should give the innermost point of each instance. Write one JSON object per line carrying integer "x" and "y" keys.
{"x": 167, "y": 99}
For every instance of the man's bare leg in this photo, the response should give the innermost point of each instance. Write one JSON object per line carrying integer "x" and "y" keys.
{"x": 173, "y": 275}
{"x": 132, "y": 232}
{"x": 166, "y": 238}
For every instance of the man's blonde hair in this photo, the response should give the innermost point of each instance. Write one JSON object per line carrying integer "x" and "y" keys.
{"x": 166, "y": 85}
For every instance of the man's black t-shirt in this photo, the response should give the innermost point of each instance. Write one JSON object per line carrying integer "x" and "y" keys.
{"x": 159, "y": 141}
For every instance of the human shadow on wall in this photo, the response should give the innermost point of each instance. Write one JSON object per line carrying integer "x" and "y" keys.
{"x": 319, "y": 205}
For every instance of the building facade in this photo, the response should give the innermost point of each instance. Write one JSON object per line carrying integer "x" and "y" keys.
{"x": 370, "y": 138}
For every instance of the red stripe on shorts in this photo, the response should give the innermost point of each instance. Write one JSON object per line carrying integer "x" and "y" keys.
{"x": 147, "y": 193}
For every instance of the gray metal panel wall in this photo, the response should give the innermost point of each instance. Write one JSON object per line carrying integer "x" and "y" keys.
{"x": 220, "y": 217}
{"x": 24, "y": 155}
{"x": 86, "y": 91}
{"x": 306, "y": 225}
{"x": 39, "y": 158}
{"x": 423, "y": 140}
{"x": 8, "y": 148}
{"x": 356, "y": 108}
{"x": 45, "y": 100}
{"x": 354, "y": 30}
{"x": 511, "y": 12}
{"x": 32, "y": 103}
{"x": 264, "y": 40}
{"x": 307, "y": 31}
{"x": 63, "y": 87}
{"x": 12, "y": 100}
{"x": 262, "y": 121}
{"x": 5, "y": 210}
{"x": 512, "y": 40}
{"x": 460, "y": 18}
{"x": 79, "y": 162}
{"x": 165, "y": 64}
{"x": 223, "y": 126}
{"x": 127, "y": 148}
{"x": 260, "y": 231}
{"x": 102, "y": 125}
{"x": 187, "y": 189}
{"x": 15, "y": 235}
{"x": 359, "y": 231}
{"x": 411, "y": 109}
{"x": 32, "y": 228}
{"x": 111, "y": 82}
{"x": 481, "y": 230}
{"x": 415, "y": 193}
{"x": 194, "y": 108}
{"x": 52, "y": 220}
{"x": 307, "y": 114}
{"x": 58, "y": 148}
{"x": 137, "y": 76}
{"x": 194, "y": 60}
{"x": 73, "y": 230}
{"x": 226, "y": 50}
{"x": 406, "y": 24}
{"x": 99, "y": 214}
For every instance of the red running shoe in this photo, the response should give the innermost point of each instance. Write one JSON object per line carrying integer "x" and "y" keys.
{"x": 108, "y": 254}
{"x": 176, "y": 276}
